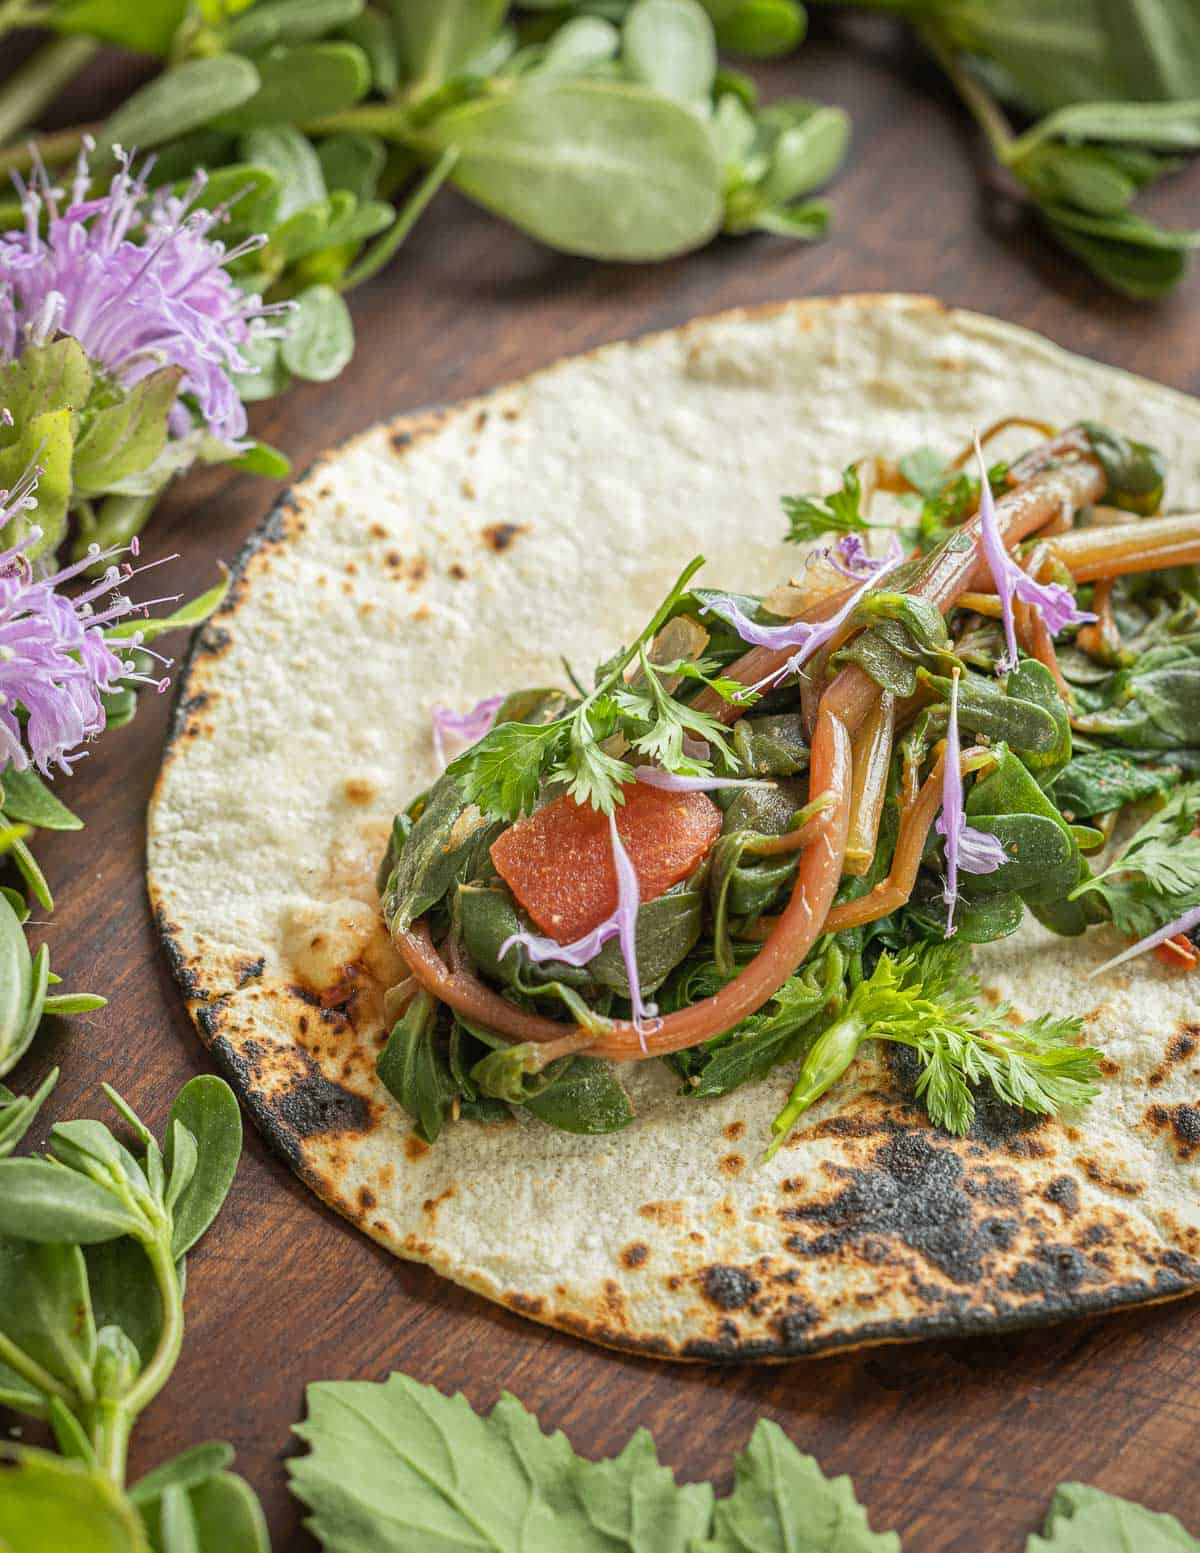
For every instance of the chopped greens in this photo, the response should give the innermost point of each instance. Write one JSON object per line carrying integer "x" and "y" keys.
{"x": 995, "y": 742}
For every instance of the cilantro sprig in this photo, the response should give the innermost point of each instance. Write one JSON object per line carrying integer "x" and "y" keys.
{"x": 928, "y": 1001}
{"x": 811, "y": 517}
{"x": 504, "y": 772}
{"x": 1156, "y": 876}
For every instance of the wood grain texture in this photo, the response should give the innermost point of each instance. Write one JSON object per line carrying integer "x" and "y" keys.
{"x": 953, "y": 1444}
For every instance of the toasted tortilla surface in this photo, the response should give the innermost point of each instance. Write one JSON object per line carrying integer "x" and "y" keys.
{"x": 446, "y": 556}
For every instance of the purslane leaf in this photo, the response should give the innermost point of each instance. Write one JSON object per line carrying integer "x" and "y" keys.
{"x": 49, "y": 1505}
{"x": 208, "y": 1112}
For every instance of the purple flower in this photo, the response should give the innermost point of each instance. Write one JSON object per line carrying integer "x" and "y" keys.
{"x": 670, "y": 782}
{"x": 466, "y": 726}
{"x": 1055, "y": 603}
{"x": 622, "y": 925}
{"x": 1184, "y": 924}
{"x": 138, "y": 281}
{"x": 974, "y": 851}
{"x": 806, "y": 636}
{"x": 54, "y": 661}
{"x": 849, "y": 556}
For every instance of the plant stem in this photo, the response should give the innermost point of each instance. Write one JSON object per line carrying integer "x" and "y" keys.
{"x": 119, "y": 518}
{"x": 30, "y": 1370}
{"x": 979, "y": 101}
{"x": 410, "y": 212}
{"x": 384, "y": 119}
{"x": 21, "y": 13}
{"x": 39, "y": 81}
{"x": 156, "y": 1374}
{"x": 110, "y": 1438}
{"x": 52, "y": 149}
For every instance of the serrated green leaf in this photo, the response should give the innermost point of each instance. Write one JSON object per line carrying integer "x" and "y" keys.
{"x": 125, "y": 438}
{"x": 49, "y": 1505}
{"x": 1087, "y": 1520}
{"x": 44, "y": 377}
{"x": 783, "y": 1503}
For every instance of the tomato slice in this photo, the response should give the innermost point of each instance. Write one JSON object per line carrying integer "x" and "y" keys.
{"x": 558, "y": 862}
{"x": 1177, "y": 951}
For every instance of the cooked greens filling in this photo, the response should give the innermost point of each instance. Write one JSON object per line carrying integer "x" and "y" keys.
{"x": 772, "y": 828}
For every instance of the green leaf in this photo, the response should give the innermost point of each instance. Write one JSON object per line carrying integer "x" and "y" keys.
{"x": 46, "y": 1311}
{"x": 371, "y": 33}
{"x": 414, "y": 1069}
{"x": 195, "y": 612}
{"x": 320, "y": 338}
{"x": 806, "y": 155}
{"x": 289, "y": 21}
{"x": 261, "y": 459}
{"x": 187, "y": 1470}
{"x": 600, "y": 168}
{"x": 22, "y": 989}
{"x": 26, "y": 797}
{"x": 41, "y": 1201}
{"x": 293, "y": 160}
{"x": 761, "y": 29}
{"x": 783, "y": 1503}
{"x": 1159, "y": 45}
{"x": 206, "y": 1107}
{"x": 42, "y": 442}
{"x": 502, "y": 773}
{"x": 125, "y": 438}
{"x": 578, "y": 46}
{"x": 1166, "y": 126}
{"x": 811, "y": 517}
{"x": 182, "y": 99}
{"x": 353, "y": 162}
{"x": 305, "y": 81}
{"x": 1099, "y": 781}
{"x": 17, "y": 1112}
{"x": 1087, "y": 1520}
{"x": 1130, "y": 255}
{"x": 54, "y": 376}
{"x": 385, "y": 1474}
{"x": 69, "y": 1436}
{"x": 124, "y": 1292}
{"x": 437, "y": 38}
{"x": 148, "y": 27}
{"x": 50, "y": 1505}
{"x": 228, "y": 1516}
{"x": 669, "y": 45}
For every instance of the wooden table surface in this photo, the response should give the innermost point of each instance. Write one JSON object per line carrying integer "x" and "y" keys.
{"x": 956, "y": 1445}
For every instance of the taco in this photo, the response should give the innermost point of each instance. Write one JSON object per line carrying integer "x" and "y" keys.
{"x": 720, "y": 929}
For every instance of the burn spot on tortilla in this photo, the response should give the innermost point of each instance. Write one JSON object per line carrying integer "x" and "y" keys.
{"x": 415, "y": 1148}
{"x": 400, "y": 440}
{"x": 467, "y": 487}
{"x": 184, "y": 974}
{"x": 1054, "y": 1270}
{"x": 393, "y": 559}
{"x": 732, "y": 1164}
{"x": 634, "y": 1256}
{"x": 734, "y": 1131}
{"x": 669, "y": 1214}
{"x": 1182, "y": 1123}
{"x": 1180, "y": 1047}
{"x": 251, "y": 970}
{"x": 432, "y": 1204}
{"x": 458, "y": 571}
{"x": 358, "y": 790}
{"x": 1109, "y": 1068}
{"x": 1063, "y": 1192}
{"x": 914, "y": 1193}
{"x": 314, "y": 1104}
{"x": 377, "y": 531}
{"x": 366, "y": 1199}
{"x": 500, "y": 536}
{"x": 1102, "y": 1177}
{"x": 729, "y": 1288}
{"x": 208, "y": 1017}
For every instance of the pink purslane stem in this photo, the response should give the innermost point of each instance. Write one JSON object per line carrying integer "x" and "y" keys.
{"x": 467, "y": 727}
{"x": 622, "y": 925}
{"x": 806, "y": 636}
{"x": 1054, "y": 603}
{"x": 974, "y": 851}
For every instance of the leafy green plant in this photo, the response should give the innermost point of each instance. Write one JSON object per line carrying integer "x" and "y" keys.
{"x": 397, "y": 1466}
{"x": 93, "y": 1240}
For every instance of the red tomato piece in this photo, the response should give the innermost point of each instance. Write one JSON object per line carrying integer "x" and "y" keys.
{"x": 559, "y": 865}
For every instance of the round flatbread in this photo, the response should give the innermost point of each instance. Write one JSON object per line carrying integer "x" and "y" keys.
{"x": 448, "y": 556}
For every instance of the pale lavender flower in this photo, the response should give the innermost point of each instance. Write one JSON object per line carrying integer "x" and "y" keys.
{"x": 622, "y": 925}
{"x": 671, "y": 782}
{"x": 55, "y": 663}
{"x": 806, "y": 636}
{"x": 1055, "y": 604}
{"x": 467, "y": 727}
{"x": 849, "y": 556}
{"x": 974, "y": 851}
{"x": 136, "y": 278}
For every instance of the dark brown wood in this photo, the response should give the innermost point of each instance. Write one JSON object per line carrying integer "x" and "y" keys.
{"x": 953, "y": 1444}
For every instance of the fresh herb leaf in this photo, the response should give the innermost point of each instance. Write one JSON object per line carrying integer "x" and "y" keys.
{"x": 812, "y": 517}
{"x": 1156, "y": 876}
{"x": 1087, "y": 1520}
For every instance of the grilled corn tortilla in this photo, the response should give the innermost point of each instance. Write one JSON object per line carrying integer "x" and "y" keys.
{"x": 444, "y": 557}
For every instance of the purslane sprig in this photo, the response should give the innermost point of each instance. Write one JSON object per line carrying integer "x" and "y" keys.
{"x": 504, "y": 772}
{"x": 928, "y": 1001}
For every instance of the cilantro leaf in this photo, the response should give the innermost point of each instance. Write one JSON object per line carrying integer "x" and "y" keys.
{"x": 1087, "y": 1520}
{"x": 809, "y": 517}
{"x": 1156, "y": 876}
{"x": 590, "y": 773}
{"x": 659, "y": 723}
{"x": 783, "y": 1503}
{"x": 503, "y": 772}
